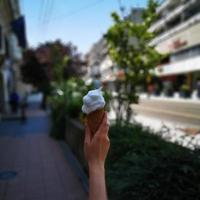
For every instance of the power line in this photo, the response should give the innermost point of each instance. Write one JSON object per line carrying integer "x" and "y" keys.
{"x": 47, "y": 16}
{"x": 41, "y": 9}
{"x": 50, "y": 10}
{"x": 121, "y": 8}
{"x": 42, "y": 16}
{"x": 47, "y": 12}
{"x": 47, "y": 9}
{"x": 44, "y": 11}
{"x": 74, "y": 12}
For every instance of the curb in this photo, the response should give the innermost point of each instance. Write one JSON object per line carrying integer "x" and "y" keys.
{"x": 75, "y": 165}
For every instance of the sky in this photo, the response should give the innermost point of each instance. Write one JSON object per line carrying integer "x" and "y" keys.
{"x": 80, "y": 21}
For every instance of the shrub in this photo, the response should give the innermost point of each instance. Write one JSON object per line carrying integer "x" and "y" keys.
{"x": 66, "y": 100}
{"x": 142, "y": 166}
{"x": 185, "y": 87}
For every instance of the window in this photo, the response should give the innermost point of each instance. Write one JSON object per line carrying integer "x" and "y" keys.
{"x": 191, "y": 11}
{"x": 185, "y": 54}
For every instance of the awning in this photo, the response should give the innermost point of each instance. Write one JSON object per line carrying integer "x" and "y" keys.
{"x": 18, "y": 27}
{"x": 181, "y": 67}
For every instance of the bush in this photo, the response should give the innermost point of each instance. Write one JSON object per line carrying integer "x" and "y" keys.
{"x": 185, "y": 91}
{"x": 58, "y": 116}
{"x": 66, "y": 100}
{"x": 75, "y": 90}
{"x": 143, "y": 166}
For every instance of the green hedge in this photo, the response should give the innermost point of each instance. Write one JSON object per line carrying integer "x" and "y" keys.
{"x": 141, "y": 166}
{"x": 66, "y": 100}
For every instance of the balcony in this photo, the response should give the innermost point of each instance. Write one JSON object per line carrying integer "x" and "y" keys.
{"x": 181, "y": 67}
{"x": 164, "y": 5}
{"x": 194, "y": 20}
{"x": 176, "y": 12}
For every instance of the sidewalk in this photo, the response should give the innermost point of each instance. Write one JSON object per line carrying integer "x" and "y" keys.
{"x": 32, "y": 165}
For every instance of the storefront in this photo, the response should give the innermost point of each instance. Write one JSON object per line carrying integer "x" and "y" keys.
{"x": 180, "y": 75}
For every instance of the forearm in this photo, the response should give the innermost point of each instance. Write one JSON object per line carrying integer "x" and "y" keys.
{"x": 97, "y": 184}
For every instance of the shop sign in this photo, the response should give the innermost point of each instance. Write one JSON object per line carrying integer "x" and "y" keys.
{"x": 177, "y": 44}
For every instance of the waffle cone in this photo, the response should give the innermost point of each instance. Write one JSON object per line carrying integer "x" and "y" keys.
{"x": 94, "y": 120}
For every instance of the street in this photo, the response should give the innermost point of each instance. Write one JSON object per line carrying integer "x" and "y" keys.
{"x": 177, "y": 112}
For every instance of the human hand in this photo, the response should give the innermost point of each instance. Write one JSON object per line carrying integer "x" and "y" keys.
{"x": 96, "y": 147}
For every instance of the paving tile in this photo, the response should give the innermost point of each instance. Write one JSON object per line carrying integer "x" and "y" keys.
{"x": 2, "y": 189}
{"x": 14, "y": 197}
{"x": 42, "y": 171}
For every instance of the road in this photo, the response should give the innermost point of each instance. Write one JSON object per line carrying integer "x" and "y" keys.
{"x": 178, "y": 112}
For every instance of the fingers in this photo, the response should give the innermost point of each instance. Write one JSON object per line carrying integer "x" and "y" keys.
{"x": 104, "y": 127}
{"x": 87, "y": 133}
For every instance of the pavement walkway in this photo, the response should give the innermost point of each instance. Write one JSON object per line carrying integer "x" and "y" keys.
{"x": 32, "y": 165}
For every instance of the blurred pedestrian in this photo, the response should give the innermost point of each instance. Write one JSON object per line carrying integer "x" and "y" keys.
{"x": 96, "y": 81}
{"x": 198, "y": 87}
{"x": 14, "y": 101}
{"x": 24, "y": 105}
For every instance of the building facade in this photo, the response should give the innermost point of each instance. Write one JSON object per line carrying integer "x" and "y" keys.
{"x": 99, "y": 61}
{"x": 95, "y": 57}
{"x": 10, "y": 51}
{"x": 178, "y": 28}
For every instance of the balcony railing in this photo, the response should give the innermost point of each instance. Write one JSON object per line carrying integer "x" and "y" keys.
{"x": 163, "y": 5}
{"x": 180, "y": 67}
{"x": 180, "y": 27}
{"x": 178, "y": 11}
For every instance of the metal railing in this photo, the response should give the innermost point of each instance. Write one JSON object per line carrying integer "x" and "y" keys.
{"x": 176, "y": 12}
{"x": 180, "y": 27}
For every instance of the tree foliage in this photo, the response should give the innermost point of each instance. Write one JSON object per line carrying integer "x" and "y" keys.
{"x": 34, "y": 72}
{"x": 51, "y": 62}
{"x": 63, "y": 60}
{"x": 129, "y": 47}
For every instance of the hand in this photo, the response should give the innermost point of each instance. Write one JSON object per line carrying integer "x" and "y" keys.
{"x": 96, "y": 147}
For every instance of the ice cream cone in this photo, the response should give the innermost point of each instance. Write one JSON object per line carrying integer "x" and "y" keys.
{"x": 94, "y": 120}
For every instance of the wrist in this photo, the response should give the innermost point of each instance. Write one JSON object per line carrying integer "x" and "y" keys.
{"x": 96, "y": 168}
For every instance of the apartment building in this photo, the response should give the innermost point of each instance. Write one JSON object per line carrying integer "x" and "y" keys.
{"x": 99, "y": 61}
{"x": 178, "y": 36}
{"x": 12, "y": 41}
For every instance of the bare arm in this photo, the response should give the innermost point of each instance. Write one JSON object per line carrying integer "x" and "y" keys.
{"x": 96, "y": 150}
{"x": 97, "y": 185}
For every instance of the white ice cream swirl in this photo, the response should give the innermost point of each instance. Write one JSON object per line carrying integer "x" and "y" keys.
{"x": 92, "y": 101}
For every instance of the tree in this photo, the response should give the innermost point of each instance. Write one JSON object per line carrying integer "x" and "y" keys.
{"x": 63, "y": 60}
{"x": 50, "y": 62}
{"x": 129, "y": 47}
{"x": 35, "y": 73}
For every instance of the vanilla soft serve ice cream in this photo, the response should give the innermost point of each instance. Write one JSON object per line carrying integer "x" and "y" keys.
{"x": 93, "y": 101}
